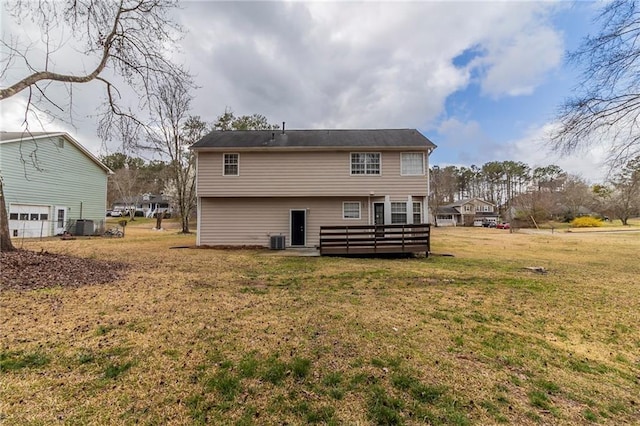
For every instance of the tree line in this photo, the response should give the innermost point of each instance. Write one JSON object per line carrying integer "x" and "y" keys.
{"x": 538, "y": 194}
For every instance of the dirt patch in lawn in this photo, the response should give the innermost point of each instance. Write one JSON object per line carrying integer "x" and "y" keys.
{"x": 28, "y": 270}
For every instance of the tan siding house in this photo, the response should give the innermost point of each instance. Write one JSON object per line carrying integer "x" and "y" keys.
{"x": 252, "y": 185}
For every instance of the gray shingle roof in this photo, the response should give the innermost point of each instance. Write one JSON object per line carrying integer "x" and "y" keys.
{"x": 379, "y": 138}
{"x": 447, "y": 210}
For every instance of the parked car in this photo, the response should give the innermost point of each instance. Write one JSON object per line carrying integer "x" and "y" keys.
{"x": 503, "y": 225}
{"x": 115, "y": 213}
{"x": 489, "y": 223}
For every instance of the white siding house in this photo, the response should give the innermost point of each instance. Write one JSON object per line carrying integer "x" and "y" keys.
{"x": 51, "y": 184}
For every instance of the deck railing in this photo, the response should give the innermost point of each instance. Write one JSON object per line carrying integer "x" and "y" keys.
{"x": 375, "y": 239}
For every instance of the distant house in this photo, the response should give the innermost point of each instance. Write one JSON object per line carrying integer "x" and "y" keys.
{"x": 468, "y": 212}
{"x": 147, "y": 205}
{"x": 252, "y": 185}
{"x": 52, "y": 184}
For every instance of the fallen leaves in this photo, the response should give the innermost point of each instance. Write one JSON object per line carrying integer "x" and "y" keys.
{"x": 28, "y": 270}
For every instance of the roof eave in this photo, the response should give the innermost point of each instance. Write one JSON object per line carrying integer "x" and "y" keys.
{"x": 351, "y": 148}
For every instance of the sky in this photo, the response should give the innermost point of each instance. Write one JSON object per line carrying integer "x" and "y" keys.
{"x": 482, "y": 80}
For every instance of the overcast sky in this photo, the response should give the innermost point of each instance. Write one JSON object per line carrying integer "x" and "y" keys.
{"x": 482, "y": 80}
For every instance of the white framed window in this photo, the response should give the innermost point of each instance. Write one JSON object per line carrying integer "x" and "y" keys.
{"x": 231, "y": 165}
{"x": 365, "y": 163}
{"x": 412, "y": 164}
{"x": 351, "y": 210}
{"x": 417, "y": 212}
{"x": 398, "y": 213}
{"x": 467, "y": 208}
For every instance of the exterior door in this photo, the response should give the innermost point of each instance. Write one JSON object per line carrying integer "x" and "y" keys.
{"x": 60, "y": 219}
{"x": 378, "y": 213}
{"x": 378, "y": 217}
{"x": 298, "y": 227}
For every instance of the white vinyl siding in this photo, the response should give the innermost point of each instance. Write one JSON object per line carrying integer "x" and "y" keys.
{"x": 412, "y": 164}
{"x": 231, "y": 165}
{"x": 365, "y": 163}
{"x": 351, "y": 210}
{"x": 398, "y": 213}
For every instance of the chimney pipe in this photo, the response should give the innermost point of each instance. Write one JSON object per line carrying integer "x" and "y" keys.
{"x": 283, "y": 127}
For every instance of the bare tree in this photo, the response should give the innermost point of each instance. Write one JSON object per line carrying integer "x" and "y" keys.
{"x": 575, "y": 196}
{"x": 171, "y": 134}
{"x": 128, "y": 41}
{"x": 606, "y": 106}
{"x": 625, "y": 200}
{"x": 443, "y": 185}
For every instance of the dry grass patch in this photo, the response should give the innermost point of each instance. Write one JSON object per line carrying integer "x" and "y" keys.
{"x": 242, "y": 337}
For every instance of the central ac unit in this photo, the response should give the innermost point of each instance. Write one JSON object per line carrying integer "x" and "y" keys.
{"x": 277, "y": 242}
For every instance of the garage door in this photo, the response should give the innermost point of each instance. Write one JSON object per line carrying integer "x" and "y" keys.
{"x": 29, "y": 220}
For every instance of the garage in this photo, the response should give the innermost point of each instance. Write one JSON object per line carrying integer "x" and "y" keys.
{"x": 29, "y": 220}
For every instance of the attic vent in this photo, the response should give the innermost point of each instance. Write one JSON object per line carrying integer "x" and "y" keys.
{"x": 60, "y": 143}
{"x": 277, "y": 242}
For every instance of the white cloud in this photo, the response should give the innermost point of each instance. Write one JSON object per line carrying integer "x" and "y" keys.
{"x": 362, "y": 64}
{"x": 520, "y": 52}
{"x": 534, "y": 150}
{"x": 340, "y": 65}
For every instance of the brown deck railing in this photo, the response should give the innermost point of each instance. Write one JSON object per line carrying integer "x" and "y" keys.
{"x": 375, "y": 239}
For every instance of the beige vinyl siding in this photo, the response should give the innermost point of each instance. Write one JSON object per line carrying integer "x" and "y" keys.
{"x": 251, "y": 221}
{"x": 300, "y": 174}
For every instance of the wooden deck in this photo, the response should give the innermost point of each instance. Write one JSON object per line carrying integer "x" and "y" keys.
{"x": 375, "y": 239}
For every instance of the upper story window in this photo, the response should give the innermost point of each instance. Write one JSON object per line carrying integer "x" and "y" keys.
{"x": 412, "y": 164}
{"x": 351, "y": 210}
{"x": 231, "y": 164}
{"x": 365, "y": 163}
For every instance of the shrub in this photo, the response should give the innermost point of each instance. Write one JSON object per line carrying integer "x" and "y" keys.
{"x": 586, "y": 222}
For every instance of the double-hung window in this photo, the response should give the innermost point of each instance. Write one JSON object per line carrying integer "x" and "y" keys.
{"x": 365, "y": 163}
{"x": 351, "y": 210}
{"x": 398, "y": 213}
{"x": 231, "y": 166}
{"x": 412, "y": 164}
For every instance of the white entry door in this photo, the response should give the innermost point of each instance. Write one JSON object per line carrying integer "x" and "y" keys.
{"x": 60, "y": 218}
